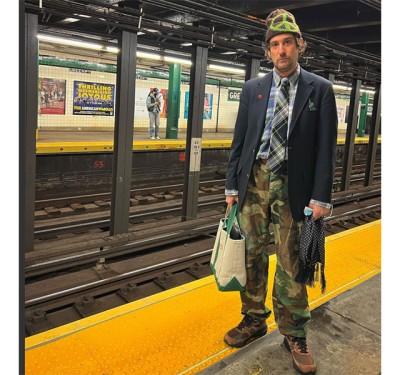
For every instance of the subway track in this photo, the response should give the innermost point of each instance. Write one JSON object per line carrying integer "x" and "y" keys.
{"x": 154, "y": 206}
{"x": 111, "y": 279}
{"x": 50, "y": 205}
{"x": 92, "y": 211}
{"x": 85, "y": 250}
{"x": 78, "y": 269}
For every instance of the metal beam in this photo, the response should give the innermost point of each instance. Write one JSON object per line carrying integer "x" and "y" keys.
{"x": 350, "y": 135}
{"x": 198, "y": 72}
{"x": 373, "y": 136}
{"x": 252, "y": 68}
{"x": 27, "y": 139}
{"x": 123, "y": 133}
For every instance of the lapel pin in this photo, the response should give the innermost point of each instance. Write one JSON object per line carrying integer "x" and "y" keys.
{"x": 259, "y": 96}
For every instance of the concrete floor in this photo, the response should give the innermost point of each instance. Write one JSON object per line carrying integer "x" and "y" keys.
{"x": 344, "y": 335}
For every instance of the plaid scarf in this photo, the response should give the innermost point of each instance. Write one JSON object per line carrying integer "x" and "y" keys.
{"x": 312, "y": 253}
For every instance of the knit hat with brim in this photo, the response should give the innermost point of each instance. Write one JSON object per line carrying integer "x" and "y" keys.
{"x": 281, "y": 21}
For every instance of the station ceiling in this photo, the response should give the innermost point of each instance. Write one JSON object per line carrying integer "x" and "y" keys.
{"x": 343, "y": 36}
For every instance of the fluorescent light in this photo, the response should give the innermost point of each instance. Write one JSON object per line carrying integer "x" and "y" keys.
{"x": 261, "y": 74}
{"x": 186, "y": 44}
{"x": 77, "y": 43}
{"x": 368, "y": 91}
{"x": 82, "y": 15}
{"x": 69, "y": 20}
{"x": 69, "y": 42}
{"x": 226, "y": 69}
{"x": 112, "y": 49}
{"x": 348, "y": 88}
{"x": 342, "y": 87}
{"x": 177, "y": 60}
{"x": 146, "y": 55}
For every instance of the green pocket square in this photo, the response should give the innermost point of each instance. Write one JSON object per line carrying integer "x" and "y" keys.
{"x": 311, "y": 105}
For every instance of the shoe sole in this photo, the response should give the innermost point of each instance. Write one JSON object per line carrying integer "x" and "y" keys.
{"x": 285, "y": 343}
{"x": 249, "y": 340}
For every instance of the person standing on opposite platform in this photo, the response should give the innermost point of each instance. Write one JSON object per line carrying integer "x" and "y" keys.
{"x": 154, "y": 104}
{"x": 282, "y": 159}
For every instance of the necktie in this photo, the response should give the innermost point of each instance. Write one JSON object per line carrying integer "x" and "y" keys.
{"x": 276, "y": 156}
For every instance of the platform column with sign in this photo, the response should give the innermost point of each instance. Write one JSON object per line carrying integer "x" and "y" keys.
{"x": 363, "y": 115}
{"x": 174, "y": 94}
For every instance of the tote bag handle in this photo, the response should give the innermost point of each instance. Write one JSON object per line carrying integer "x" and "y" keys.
{"x": 231, "y": 217}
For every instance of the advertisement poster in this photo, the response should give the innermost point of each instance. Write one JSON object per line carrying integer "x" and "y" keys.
{"x": 92, "y": 98}
{"x": 52, "y": 96}
{"x": 207, "y": 110}
{"x": 164, "y": 93}
{"x": 140, "y": 102}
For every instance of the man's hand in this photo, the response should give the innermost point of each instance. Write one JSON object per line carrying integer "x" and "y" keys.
{"x": 231, "y": 199}
{"x": 318, "y": 211}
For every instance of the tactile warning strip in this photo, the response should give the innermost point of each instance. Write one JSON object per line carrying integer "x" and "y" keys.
{"x": 181, "y": 331}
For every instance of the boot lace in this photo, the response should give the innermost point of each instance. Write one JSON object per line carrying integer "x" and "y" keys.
{"x": 246, "y": 321}
{"x": 302, "y": 343}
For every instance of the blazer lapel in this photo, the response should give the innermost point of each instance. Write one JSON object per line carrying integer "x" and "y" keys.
{"x": 304, "y": 90}
{"x": 262, "y": 97}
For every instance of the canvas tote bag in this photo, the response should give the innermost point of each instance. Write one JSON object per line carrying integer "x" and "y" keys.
{"x": 228, "y": 255}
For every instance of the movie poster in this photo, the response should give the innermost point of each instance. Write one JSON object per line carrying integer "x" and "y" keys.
{"x": 207, "y": 109}
{"x": 92, "y": 98}
{"x": 52, "y": 96}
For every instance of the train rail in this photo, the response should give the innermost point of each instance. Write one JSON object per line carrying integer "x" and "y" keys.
{"x": 105, "y": 284}
{"x": 167, "y": 231}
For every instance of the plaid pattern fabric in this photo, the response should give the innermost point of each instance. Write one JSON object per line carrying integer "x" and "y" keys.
{"x": 279, "y": 128}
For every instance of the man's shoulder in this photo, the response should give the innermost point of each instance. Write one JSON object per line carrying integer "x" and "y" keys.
{"x": 309, "y": 76}
{"x": 257, "y": 80}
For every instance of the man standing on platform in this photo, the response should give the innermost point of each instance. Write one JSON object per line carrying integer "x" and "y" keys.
{"x": 282, "y": 159}
{"x": 154, "y": 103}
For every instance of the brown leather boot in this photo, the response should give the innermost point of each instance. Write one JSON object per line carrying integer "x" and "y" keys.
{"x": 248, "y": 330}
{"x": 303, "y": 360}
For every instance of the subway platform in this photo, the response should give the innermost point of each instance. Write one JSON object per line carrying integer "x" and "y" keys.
{"x": 180, "y": 331}
{"x": 344, "y": 335}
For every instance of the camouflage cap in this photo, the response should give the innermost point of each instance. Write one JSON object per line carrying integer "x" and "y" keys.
{"x": 281, "y": 21}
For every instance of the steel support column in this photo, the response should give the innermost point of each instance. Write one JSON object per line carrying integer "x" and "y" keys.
{"x": 350, "y": 136}
{"x": 27, "y": 138}
{"x": 174, "y": 96}
{"x": 252, "y": 68}
{"x": 198, "y": 72}
{"x": 362, "y": 121}
{"x": 373, "y": 136}
{"x": 123, "y": 133}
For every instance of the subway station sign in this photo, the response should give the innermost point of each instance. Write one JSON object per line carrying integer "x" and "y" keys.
{"x": 234, "y": 95}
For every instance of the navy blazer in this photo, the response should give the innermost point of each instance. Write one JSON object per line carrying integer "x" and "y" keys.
{"x": 311, "y": 144}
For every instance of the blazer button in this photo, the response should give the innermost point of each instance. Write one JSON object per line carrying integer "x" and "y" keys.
{"x": 248, "y": 175}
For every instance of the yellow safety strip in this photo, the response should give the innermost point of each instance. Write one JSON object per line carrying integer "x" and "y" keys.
{"x": 180, "y": 331}
{"x": 142, "y": 145}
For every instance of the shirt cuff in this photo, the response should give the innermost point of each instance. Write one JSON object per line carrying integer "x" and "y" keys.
{"x": 321, "y": 204}
{"x": 231, "y": 192}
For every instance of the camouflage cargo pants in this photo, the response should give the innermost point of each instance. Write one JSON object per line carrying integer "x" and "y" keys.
{"x": 266, "y": 201}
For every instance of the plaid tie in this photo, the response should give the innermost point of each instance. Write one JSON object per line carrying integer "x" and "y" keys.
{"x": 276, "y": 156}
